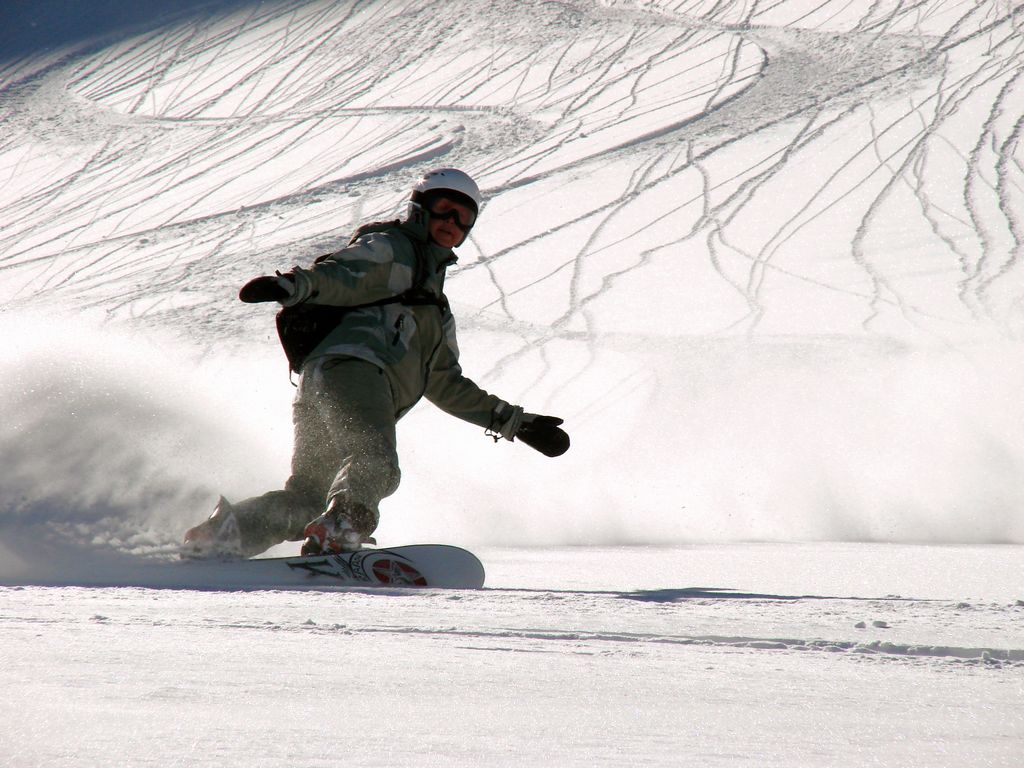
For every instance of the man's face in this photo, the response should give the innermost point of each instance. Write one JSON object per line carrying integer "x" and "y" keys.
{"x": 450, "y": 222}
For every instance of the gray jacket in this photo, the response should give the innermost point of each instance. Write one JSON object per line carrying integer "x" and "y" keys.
{"x": 414, "y": 345}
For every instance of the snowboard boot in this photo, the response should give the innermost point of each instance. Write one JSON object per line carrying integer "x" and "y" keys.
{"x": 217, "y": 536}
{"x": 333, "y": 533}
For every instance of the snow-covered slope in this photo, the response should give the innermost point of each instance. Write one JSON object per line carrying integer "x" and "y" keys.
{"x": 764, "y": 256}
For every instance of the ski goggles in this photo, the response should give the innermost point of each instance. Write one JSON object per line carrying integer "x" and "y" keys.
{"x": 464, "y": 219}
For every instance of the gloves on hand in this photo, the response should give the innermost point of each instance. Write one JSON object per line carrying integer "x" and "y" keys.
{"x": 268, "y": 288}
{"x": 542, "y": 433}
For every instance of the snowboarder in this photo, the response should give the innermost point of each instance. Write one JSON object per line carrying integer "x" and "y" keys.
{"x": 386, "y": 338}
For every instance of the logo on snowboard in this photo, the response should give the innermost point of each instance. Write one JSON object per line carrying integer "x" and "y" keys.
{"x": 366, "y": 566}
{"x": 397, "y": 573}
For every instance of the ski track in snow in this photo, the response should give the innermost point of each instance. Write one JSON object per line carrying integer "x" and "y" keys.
{"x": 573, "y": 677}
{"x": 246, "y": 139}
{"x": 601, "y": 622}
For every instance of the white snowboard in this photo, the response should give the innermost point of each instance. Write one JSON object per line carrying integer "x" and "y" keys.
{"x": 417, "y": 565}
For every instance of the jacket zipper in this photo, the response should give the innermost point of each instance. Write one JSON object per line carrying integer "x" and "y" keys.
{"x": 399, "y": 324}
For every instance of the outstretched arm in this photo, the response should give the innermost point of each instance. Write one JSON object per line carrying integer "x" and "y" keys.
{"x": 451, "y": 391}
{"x": 363, "y": 272}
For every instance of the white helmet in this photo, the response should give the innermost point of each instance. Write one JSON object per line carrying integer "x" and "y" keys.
{"x": 459, "y": 186}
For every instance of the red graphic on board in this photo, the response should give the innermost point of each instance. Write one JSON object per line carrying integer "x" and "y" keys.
{"x": 397, "y": 573}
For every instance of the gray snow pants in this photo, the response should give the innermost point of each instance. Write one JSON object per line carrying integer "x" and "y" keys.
{"x": 345, "y": 453}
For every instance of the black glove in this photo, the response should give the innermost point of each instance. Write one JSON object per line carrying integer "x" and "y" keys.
{"x": 539, "y": 432}
{"x": 542, "y": 433}
{"x": 268, "y": 288}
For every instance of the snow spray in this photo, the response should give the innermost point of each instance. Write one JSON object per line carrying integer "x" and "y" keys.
{"x": 718, "y": 440}
{"x": 121, "y": 441}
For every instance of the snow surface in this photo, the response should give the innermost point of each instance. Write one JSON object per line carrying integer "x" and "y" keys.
{"x": 764, "y": 257}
